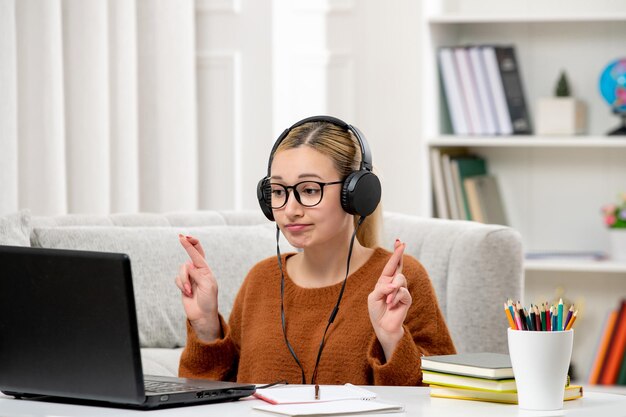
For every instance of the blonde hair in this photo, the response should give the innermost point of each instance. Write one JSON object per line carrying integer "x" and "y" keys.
{"x": 342, "y": 147}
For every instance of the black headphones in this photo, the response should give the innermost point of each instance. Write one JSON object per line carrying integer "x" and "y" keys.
{"x": 360, "y": 191}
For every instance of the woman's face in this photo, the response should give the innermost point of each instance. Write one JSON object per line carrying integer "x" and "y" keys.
{"x": 309, "y": 226}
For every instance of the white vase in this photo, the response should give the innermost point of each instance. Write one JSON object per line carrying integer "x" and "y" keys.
{"x": 618, "y": 244}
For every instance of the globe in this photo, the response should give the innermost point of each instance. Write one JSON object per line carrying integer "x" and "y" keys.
{"x": 613, "y": 90}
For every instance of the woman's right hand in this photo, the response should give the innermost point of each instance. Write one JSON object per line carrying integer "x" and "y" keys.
{"x": 199, "y": 290}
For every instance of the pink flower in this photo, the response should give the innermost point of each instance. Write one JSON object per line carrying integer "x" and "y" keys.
{"x": 609, "y": 209}
{"x": 610, "y": 220}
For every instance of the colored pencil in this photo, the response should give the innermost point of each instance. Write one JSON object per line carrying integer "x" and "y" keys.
{"x": 560, "y": 316}
{"x": 572, "y": 320}
{"x": 569, "y": 316}
{"x": 518, "y": 321}
{"x": 537, "y": 319}
{"x": 522, "y": 316}
{"x": 510, "y": 304}
{"x": 533, "y": 318}
{"x": 529, "y": 323}
{"x": 509, "y": 318}
{"x": 543, "y": 318}
{"x": 548, "y": 317}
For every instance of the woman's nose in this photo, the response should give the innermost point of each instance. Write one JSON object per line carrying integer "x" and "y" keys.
{"x": 292, "y": 207}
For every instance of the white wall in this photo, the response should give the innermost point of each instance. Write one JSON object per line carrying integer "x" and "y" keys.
{"x": 105, "y": 109}
{"x": 359, "y": 61}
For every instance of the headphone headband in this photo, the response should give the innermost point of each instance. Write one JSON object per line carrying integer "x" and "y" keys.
{"x": 366, "y": 155}
{"x": 361, "y": 190}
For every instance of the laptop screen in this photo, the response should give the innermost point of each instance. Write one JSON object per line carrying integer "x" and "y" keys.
{"x": 68, "y": 325}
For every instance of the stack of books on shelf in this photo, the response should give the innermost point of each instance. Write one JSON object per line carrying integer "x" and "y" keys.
{"x": 609, "y": 364}
{"x": 463, "y": 189}
{"x": 483, "y": 90}
{"x": 477, "y": 377}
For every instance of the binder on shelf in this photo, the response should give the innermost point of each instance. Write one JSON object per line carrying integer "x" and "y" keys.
{"x": 513, "y": 89}
{"x": 452, "y": 90}
{"x": 484, "y": 199}
{"x": 494, "y": 82}
{"x": 470, "y": 92}
{"x": 485, "y": 98}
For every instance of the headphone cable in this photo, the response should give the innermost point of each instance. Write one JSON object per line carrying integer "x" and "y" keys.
{"x": 333, "y": 314}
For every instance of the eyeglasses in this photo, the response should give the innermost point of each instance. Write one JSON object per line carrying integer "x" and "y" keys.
{"x": 307, "y": 193}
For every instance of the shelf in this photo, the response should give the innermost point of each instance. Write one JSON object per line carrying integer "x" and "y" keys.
{"x": 569, "y": 265}
{"x": 444, "y": 19}
{"x": 524, "y": 141}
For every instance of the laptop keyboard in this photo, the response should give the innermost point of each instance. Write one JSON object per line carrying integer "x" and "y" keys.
{"x": 160, "y": 386}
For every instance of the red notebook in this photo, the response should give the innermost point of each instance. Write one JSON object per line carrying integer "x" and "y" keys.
{"x": 616, "y": 349}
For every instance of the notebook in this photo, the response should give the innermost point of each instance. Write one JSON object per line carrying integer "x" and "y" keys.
{"x": 69, "y": 333}
{"x": 480, "y": 365}
{"x": 295, "y": 394}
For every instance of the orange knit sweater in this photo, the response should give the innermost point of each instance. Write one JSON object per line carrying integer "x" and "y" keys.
{"x": 253, "y": 349}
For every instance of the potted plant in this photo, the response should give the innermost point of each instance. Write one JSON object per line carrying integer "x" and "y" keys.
{"x": 615, "y": 218}
{"x": 561, "y": 114}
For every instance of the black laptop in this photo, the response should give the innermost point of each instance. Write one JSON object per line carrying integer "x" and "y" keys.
{"x": 68, "y": 330}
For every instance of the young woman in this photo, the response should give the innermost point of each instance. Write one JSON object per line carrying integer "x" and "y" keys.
{"x": 300, "y": 317}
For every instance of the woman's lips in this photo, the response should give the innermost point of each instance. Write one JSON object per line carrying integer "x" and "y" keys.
{"x": 296, "y": 227}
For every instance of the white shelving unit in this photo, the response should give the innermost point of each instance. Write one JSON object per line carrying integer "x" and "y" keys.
{"x": 553, "y": 186}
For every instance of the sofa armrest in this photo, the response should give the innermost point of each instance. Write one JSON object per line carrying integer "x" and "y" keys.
{"x": 474, "y": 268}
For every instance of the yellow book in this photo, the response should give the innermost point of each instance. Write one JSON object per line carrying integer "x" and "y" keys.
{"x": 462, "y": 381}
{"x": 571, "y": 392}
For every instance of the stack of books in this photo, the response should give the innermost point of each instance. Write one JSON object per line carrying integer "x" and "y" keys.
{"x": 483, "y": 90}
{"x": 609, "y": 365}
{"x": 463, "y": 189}
{"x": 477, "y": 377}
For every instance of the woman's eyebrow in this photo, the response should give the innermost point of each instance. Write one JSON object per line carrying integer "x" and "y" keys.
{"x": 278, "y": 177}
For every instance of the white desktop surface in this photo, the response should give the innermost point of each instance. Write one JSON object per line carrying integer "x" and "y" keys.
{"x": 417, "y": 402}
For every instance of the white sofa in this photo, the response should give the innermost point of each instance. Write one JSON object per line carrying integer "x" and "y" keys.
{"x": 473, "y": 267}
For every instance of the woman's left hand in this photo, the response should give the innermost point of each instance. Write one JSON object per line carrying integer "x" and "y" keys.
{"x": 389, "y": 303}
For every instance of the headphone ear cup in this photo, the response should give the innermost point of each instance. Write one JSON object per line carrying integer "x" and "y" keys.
{"x": 360, "y": 193}
{"x": 262, "y": 194}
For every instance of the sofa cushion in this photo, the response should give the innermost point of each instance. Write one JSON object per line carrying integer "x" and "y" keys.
{"x": 156, "y": 255}
{"x": 15, "y": 229}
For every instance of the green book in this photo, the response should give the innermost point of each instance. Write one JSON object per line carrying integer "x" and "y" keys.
{"x": 465, "y": 167}
{"x": 479, "y": 365}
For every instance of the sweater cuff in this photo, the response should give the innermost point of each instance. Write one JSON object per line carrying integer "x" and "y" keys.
{"x": 211, "y": 360}
{"x": 404, "y": 366}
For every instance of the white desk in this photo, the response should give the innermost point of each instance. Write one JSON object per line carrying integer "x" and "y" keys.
{"x": 416, "y": 400}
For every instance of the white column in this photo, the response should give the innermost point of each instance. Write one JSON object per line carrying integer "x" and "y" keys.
{"x": 123, "y": 106}
{"x": 41, "y": 127}
{"x": 8, "y": 108}
{"x": 167, "y": 105}
{"x": 86, "y": 56}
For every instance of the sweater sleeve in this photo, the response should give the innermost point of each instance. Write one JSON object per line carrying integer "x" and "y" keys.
{"x": 216, "y": 360}
{"x": 425, "y": 333}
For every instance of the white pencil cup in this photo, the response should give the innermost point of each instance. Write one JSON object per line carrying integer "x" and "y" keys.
{"x": 540, "y": 363}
